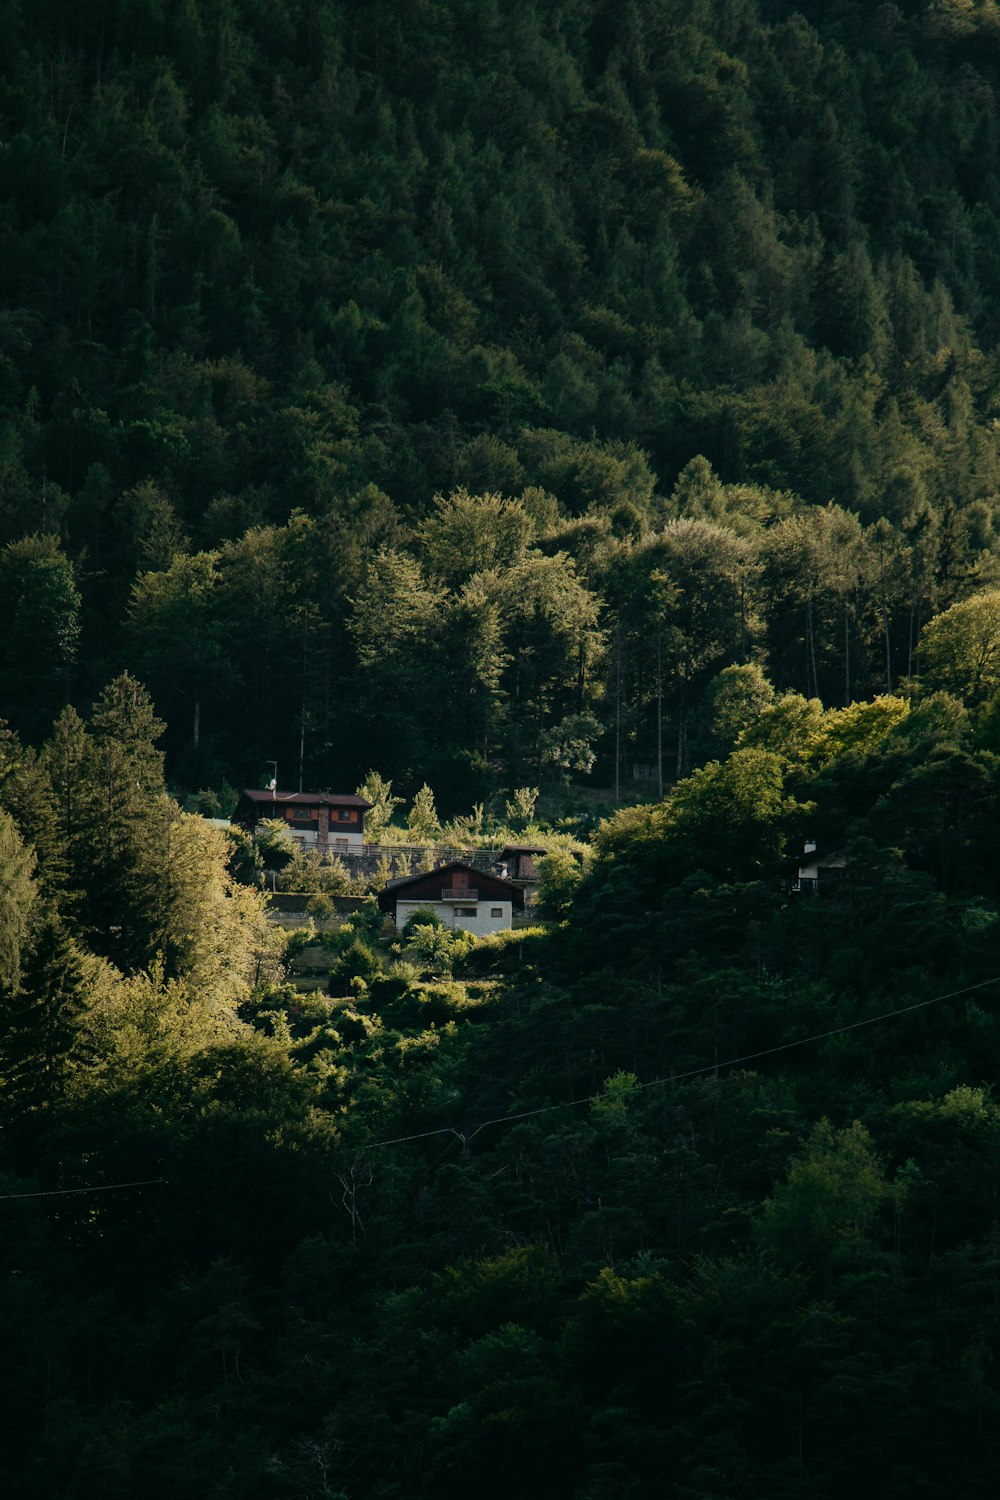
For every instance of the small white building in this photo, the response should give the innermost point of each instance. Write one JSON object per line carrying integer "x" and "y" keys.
{"x": 812, "y": 864}
{"x": 463, "y": 897}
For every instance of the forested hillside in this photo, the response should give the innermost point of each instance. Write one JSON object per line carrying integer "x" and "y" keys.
{"x": 485, "y": 395}
{"x": 586, "y": 348}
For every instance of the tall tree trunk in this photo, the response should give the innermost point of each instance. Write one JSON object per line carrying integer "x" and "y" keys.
{"x": 909, "y": 648}
{"x": 888, "y": 652}
{"x": 618, "y": 712}
{"x": 681, "y": 740}
{"x": 659, "y": 712}
{"x": 302, "y": 711}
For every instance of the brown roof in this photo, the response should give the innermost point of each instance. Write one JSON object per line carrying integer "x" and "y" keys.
{"x": 309, "y": 799}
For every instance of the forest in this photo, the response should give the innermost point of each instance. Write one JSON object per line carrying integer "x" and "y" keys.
{"x": 590, "y": 401}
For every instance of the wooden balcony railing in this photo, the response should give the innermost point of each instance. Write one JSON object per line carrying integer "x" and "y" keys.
{"x": 456, "y": 893}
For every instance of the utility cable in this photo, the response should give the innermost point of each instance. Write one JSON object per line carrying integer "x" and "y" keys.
{"x": 109, "y": 1187}
{"x": 729, "y": 1062}
{"x": 527, "y": 1114}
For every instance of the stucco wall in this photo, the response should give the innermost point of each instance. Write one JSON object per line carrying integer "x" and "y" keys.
{"x": 481, "y": 924}
{"x": 353, "y": 842}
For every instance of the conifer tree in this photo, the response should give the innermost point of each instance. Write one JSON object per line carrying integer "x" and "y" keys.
{"x": 41, "y": 628}
{"x": 42, "y": 1031}
{"x": 18, "y": 898}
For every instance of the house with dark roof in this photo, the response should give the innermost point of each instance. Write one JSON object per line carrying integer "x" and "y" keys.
{"x": 462, "y": 896}
{"x": 332, "y": 822}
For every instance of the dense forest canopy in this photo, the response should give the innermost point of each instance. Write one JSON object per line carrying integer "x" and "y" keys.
{"x": 479, "y": 397}
{"x": 298, "y": 300}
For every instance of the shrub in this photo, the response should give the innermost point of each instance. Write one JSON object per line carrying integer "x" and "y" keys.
{"x": 320, "y": 907}
{"x": 357, "y": 961}
{"x": 425, "y": 916}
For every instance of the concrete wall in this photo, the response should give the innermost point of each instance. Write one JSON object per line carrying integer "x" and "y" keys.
{"x": 294, "y": 903}
{"x": 364, "y": 859}
{"x": 338, "y": 842}
{"x": 451, "y": 915}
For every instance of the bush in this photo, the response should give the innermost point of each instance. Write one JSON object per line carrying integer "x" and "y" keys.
{"x": 309, "y": 870}
{"x": 244, "y": 861}
{"x": 439, "y": 948}
{"x": 559, "y": 874}
{"x": 276, "y": 845}
{"x": 368, "y": 920}
{"x": 504, "y": 952}
{"x": 425, "y": 916}
{"x": 320, "y": 907}
{"x": 357, "y": 961}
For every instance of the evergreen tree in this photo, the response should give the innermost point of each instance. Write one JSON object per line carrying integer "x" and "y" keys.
{"x": 44, "y": 1033}
{"x": 41, "y": 630}
{"x": 19, "y": 895}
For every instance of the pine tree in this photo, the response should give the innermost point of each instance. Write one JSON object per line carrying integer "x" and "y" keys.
{"x": 109, "y": 782}
{"x": 422, "y": 818}
{"x": 41, "y": 627}
{"x": 18, "y": 897}
{"x": 42, "y": 1018}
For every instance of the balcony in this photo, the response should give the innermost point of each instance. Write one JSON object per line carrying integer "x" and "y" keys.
{"x": 456, "y": 893}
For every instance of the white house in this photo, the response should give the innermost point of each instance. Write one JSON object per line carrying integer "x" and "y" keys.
{"x": 461, "y": 896}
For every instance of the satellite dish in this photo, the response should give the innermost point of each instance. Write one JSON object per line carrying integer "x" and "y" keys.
{"x": 272, "y": 785}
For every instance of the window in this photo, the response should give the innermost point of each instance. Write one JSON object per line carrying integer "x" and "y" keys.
{"x": 496, "y": 911}
{"x": 465, "y": 911}
{"x": 342, "y": 815}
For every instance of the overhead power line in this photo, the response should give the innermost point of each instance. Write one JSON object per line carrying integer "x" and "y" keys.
{"x": 101, "y": 1187}
{"x": 730, "y": 1062}
{"x": 527, "y": 1114}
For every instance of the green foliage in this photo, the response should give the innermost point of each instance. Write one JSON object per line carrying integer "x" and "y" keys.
{"x": 275, "y": 844}
{"x": 730, "y": 818}
{"x": 664, "y": 349}
{"x": 438, "y": 949}
{"x": 493, "y": 392}
{"x": 310, "y": 870}
{"x": 424, "y": 916}
{"x": 831, "y": 1202}
{"x": 246, "y": 863}
{"x": 18, "y": 901}
{"x": 41, "y": 630}
{"x": 422, "y": 818}
{"x": 506, "y": 952}
{"x": 861, "y": 728}
{"x": 469, "y": 534}
{"x": 960, "y": 649}
{"x": 568, "y": 745}
{"x": 376, "y": 790}
{"x": 559, "y": 874}
{"x": 737, "y": 697}
{"x": 178, "y": 637}
{"x": 357, "y": 961}
{"x": 320, "y": 907}
{"x": 520, "y": 806}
